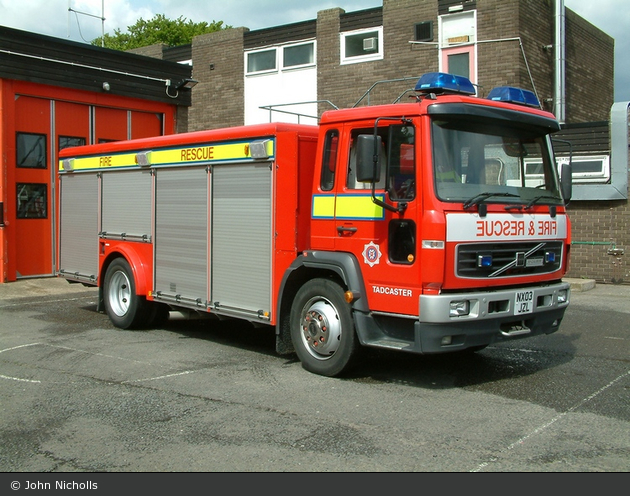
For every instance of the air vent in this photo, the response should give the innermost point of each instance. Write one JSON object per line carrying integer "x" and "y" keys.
{"x": 370, "y": 44}
{"x": 423, "y": 31}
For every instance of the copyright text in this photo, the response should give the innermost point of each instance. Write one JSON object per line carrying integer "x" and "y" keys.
{"x": 44, "y": 486}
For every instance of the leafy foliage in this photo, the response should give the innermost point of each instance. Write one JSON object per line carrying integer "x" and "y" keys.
{"x": 159, "y": 29}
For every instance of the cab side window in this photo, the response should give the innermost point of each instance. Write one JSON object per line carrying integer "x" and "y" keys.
{"x": 351, "y": 179}
{"x": 329, "y": 161}
{"x": 402, "y": 163}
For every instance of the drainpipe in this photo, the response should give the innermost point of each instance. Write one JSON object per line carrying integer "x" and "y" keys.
{"x": 559, "y": 59}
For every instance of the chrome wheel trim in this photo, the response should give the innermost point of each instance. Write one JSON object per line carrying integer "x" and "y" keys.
{"x": 119, "y": 293}
{"x": 320, "y": 328}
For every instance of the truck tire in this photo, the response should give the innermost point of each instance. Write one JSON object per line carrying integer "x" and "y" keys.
{"x": 124, "y": 307}
{"x": 322, "y": 328}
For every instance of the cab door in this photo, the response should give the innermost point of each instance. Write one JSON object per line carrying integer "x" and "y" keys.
{"x": 378, "y": 224}
{"x": 323, "y": 224}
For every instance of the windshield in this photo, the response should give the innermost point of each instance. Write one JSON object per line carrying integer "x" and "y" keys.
{"x": 475, "y": 163}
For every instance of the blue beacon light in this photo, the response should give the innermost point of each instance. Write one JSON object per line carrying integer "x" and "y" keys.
{"x": 514, "y": 95}
{"x": 441, "y": 82}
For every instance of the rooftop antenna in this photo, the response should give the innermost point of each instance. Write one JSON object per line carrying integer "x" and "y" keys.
{"x": 101, "y": 17}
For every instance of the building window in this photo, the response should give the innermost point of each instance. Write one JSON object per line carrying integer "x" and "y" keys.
{"x": 31, "y": 150}
{"x": 459, "y": 64}
{"x": 289, "y": 57}
{"x": 32, "y": 202}
{"x": 298, "y": 55}
{"x": 70, "y": 141}
{"x": 361, "y": 46}
{"x": 586, "y": 169}
{"x": 262, "y": 61}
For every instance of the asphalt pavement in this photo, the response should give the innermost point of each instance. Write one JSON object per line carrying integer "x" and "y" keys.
{"x": 78, "y": 395}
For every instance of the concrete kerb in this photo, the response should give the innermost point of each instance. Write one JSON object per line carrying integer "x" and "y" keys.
{"x": 580, "y": 285}
{"x": 43, "y": 286}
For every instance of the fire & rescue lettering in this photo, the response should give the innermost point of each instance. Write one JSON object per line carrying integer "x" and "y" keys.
{"x": 509, "y": 228}
{"x": 192, "y": 154}
{"x": 105, "y": 161}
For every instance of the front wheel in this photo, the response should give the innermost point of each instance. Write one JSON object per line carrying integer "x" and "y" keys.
{"x": 124, "y": 307}
{"x": 322, "y": 328}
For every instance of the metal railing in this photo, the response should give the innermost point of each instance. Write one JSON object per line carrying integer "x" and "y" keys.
{"x": 274, "y": 108}
{"x": 367, "y": 94}
{"x": 386, "y": 81}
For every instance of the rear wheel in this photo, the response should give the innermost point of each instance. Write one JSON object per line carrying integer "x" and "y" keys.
{"x": 124, "y": 307}
{"x": 322, "y": 328}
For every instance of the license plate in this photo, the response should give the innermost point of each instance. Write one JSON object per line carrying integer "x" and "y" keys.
{"x": 534, "y": 262}
{"x": 523, "y": 302}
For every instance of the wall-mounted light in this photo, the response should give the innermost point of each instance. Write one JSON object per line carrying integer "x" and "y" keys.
{"x": 182, "y": 84}
{"x": 106, "y": 86}
{"x": 185, "y": 84}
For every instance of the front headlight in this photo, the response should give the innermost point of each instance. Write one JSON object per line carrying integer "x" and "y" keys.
{"x": 563, "y": 296}
{"x": 459, "y": 308}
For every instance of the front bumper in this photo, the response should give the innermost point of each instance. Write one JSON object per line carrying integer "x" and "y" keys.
{"x": 493, "y": 316}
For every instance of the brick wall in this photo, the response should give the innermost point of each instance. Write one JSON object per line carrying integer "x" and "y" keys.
{"x": 536, "y": 29}
{"x": 597, "y": 226}
{"x": 217, "y": 101}
{"x": 328, "y": 87}
{"x": 156, "y": 51}
{"x": 589, "y": 71}
{"x": 344, "y": 85}
{"x": 499, "y": 63}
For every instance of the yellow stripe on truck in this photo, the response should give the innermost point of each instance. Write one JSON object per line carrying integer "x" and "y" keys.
{"x": 347, "y": 207}
{"x": 175, "y": 156}
{"x": 323, "y": 206}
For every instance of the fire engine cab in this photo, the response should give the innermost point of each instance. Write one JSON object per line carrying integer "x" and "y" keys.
{"x": 427, "y": 227}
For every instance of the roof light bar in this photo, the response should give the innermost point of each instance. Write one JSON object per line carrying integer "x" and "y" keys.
{"x": 514, "y": 95}
{"x": 440, "y": 82}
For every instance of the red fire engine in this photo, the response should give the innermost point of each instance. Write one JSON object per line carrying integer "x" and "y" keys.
{"x": 427, "y": 227}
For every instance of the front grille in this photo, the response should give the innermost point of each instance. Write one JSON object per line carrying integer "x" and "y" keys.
{"x": 509, "y": 259}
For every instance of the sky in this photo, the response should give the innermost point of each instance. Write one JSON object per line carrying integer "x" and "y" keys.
{"x": 80, "y": 20}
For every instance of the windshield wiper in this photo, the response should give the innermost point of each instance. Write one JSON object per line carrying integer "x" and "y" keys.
{"x": 481, "y": 197}
{"x": 536, "y": 199}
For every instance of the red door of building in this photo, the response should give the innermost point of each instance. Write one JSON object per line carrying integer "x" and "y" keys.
{"x": 33, "y": 196}
{"x": 146, "y": 124}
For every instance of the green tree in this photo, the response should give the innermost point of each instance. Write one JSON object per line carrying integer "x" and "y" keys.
{"x": 159, "y": 29}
